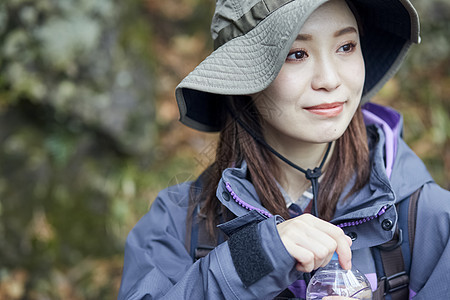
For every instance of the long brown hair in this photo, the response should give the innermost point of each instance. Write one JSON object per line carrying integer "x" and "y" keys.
{"x": 350, "y": 158}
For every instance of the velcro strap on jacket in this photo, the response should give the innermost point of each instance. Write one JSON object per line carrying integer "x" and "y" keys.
{"x": 249, "y": 257}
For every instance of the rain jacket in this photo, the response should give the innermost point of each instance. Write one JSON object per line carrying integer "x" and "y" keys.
{"x": 158, "y": 266}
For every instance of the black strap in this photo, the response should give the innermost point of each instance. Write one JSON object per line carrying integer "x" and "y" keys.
{"x": 311, "y": 175}
{"x": 190, "y": 241}
{"x": 198, "y": 242}
{"x": 412, "y": 216}
{"x": 205, "y": 243}
{"x": 396, "y": 279}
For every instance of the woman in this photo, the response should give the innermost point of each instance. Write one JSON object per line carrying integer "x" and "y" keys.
{"x": 285, "y": 87}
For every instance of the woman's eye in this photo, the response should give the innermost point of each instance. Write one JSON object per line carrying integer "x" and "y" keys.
{"x": 297, "y": 55}
{"x": 349, "y": 47}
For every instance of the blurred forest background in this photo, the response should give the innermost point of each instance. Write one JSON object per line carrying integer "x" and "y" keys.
{"x": 89, "y": 131}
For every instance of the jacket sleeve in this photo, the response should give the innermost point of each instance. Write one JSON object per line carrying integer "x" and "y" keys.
{"x": 157, "y": 265}
{"x": 430, "y": 266}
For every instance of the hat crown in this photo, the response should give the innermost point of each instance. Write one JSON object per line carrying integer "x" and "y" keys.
{"x": 234, "y": 18}
{"x": 227, "y": 12}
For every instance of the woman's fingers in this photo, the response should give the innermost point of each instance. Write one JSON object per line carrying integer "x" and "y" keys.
{"x": 312, "y": 242}
{"x": 311, "y": 256}
{"x": 337, "y": 234}
{"x": 344, "y": 252}
{"x": 304, "y": 257}
{"x": 321, "y": 245}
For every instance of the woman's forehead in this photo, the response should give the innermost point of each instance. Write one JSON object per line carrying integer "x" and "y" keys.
{"x": 334, "y": 14}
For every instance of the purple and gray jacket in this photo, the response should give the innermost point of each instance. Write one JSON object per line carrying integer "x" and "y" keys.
{"x": 158, "y": 266}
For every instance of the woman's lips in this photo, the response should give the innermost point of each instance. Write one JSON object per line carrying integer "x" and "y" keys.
{"x": 327, "y": 109}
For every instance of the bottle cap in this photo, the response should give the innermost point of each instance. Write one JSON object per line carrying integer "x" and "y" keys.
{"x": 335, "y": 256}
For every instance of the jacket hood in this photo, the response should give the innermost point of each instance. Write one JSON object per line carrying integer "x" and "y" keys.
{"x": 398, "y": 157}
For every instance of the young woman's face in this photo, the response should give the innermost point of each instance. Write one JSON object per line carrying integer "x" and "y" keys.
{"x": 319, "y": 87}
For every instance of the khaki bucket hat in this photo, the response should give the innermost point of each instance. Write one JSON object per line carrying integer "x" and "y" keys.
{"x": 253, "y": 37}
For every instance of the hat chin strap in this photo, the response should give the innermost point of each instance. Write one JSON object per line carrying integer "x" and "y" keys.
{"x": 311, "y": 175}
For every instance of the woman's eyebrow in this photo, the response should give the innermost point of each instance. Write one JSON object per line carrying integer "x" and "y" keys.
{"x": 304, "y": 37}
{"x": 309, "y": 37}
{"x": 349, "y": 29}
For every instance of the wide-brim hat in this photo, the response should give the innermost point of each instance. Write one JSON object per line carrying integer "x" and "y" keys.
{"x": 253, "y": 37}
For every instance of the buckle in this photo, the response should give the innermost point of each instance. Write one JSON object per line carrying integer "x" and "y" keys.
{"x": 399, "y": 281}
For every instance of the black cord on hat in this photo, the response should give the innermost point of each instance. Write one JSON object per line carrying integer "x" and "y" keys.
{"x": 311, "y": 175}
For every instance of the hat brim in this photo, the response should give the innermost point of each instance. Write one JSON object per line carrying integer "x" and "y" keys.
{"x": 249, "y": 63}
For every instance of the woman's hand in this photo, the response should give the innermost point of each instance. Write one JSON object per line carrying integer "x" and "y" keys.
{"x": 312, "y": 242}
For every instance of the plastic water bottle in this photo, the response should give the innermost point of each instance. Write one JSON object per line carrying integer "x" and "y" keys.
{"x": 332, "y": 280}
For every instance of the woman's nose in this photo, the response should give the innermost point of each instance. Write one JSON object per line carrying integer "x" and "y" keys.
{"x": 326, "y": 75}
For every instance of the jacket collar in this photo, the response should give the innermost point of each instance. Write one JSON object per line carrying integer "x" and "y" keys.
{"x": 398, "y": 158}
{"x": 391, "y": 159}
{"x": 238, "y": 194}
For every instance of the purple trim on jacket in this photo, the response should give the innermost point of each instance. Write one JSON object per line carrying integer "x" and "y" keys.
{"x": 298, "y": 288}
{"x": 245, "y": 204}
{"x": 363, "y": 220}
{"x": 373, "y": 280}
{"x": 269, "y": 215}
{"x": 390, "y": 121}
